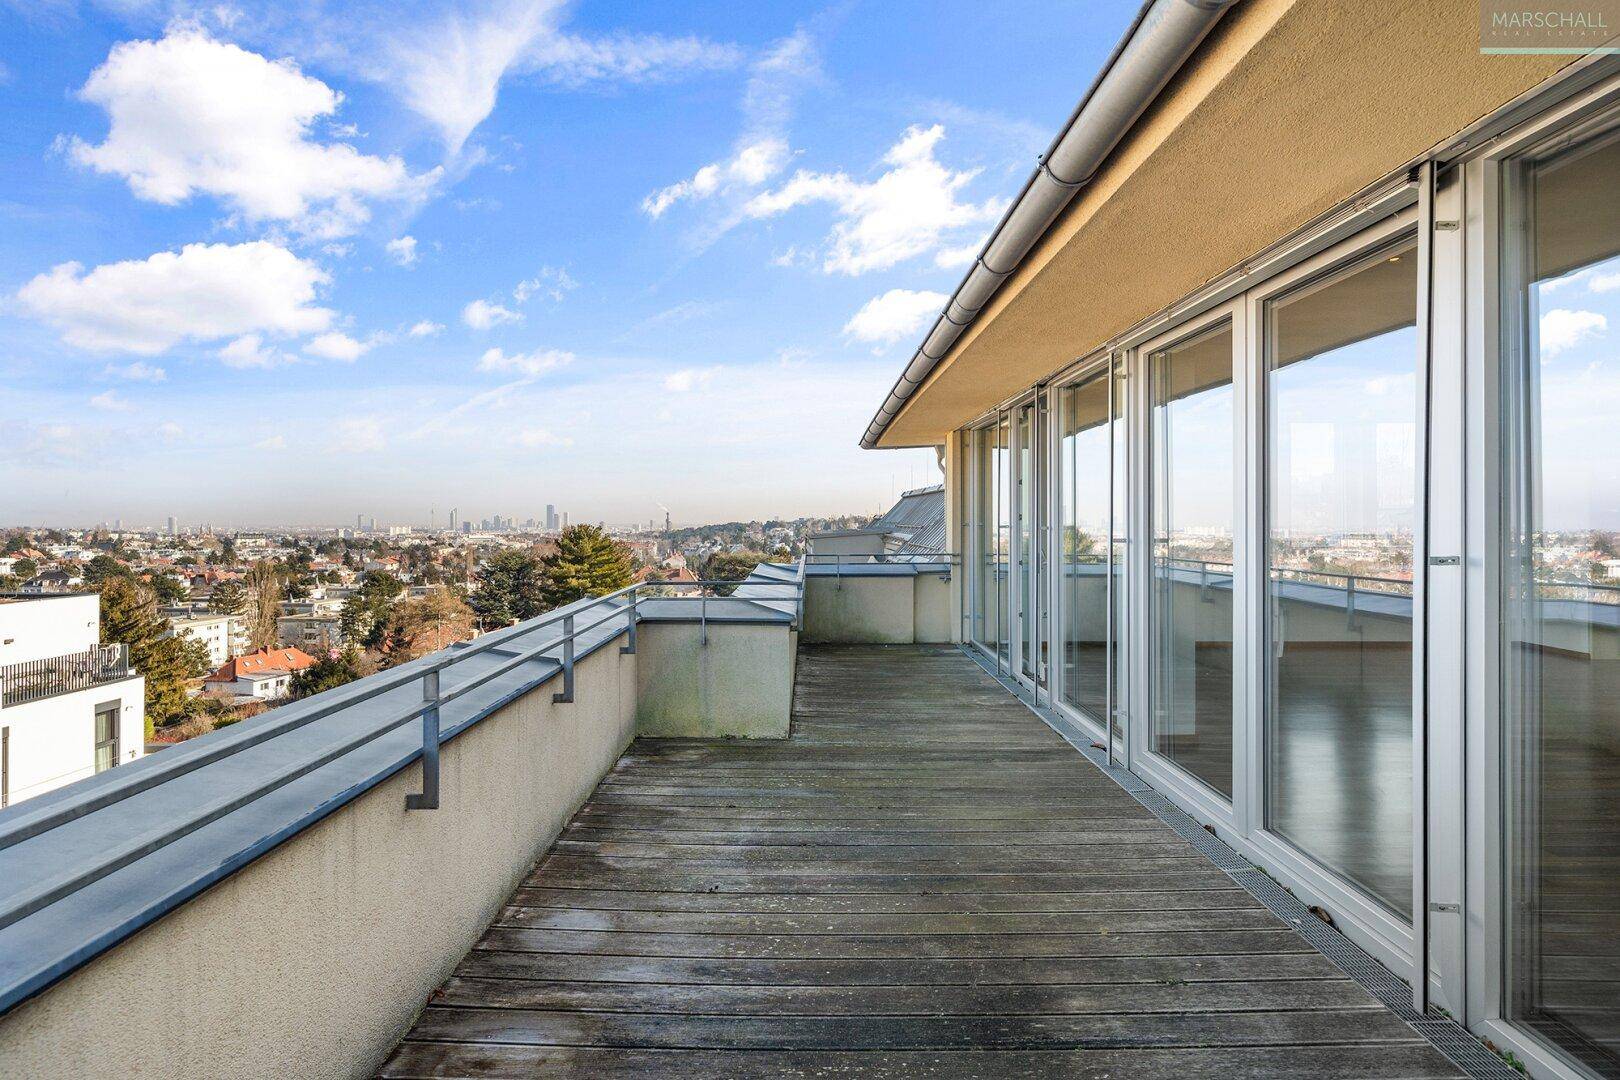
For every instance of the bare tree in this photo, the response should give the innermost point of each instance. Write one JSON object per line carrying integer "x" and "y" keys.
{"x": 264, "y": 604}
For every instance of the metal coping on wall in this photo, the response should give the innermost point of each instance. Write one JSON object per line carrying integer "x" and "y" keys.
{"x": 1451, "y": 1039}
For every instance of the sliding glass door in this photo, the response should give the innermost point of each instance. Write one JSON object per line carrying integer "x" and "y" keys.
{"x": 1560, "y": 595}
{"x": 1341, "y": 359}
{"x": 1191, "y": 434}
{"x": 1090, "y": 545}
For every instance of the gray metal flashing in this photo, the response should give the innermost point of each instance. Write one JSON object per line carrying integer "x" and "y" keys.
{"x": 41, "y": 948}
{"x": 1161, "y": 38}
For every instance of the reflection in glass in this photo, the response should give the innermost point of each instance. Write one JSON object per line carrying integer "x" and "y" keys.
{"x": 1192, "y": 471}
{"x": 1023, "y": 604}
{"x": 986, "y": 611}
{"x": 1001, "y": 538}
{"x": 1341, "y": 358}
{"x": 1083, "y": 529}
{"x": 1561, "y": 598}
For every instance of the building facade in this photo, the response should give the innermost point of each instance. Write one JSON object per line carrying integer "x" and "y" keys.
{"x": 1280, "y": 462}
{"x": 70, "y": 707}
{"x": 221, "y": 635}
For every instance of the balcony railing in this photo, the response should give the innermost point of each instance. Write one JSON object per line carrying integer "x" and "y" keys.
{"x": 33, "y": 680}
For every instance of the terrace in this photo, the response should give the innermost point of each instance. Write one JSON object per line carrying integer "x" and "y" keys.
{"x": 773, "y": 828}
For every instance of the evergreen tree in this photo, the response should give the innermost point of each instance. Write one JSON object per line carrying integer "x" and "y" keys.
{"x": 365, "y": 612}
{"x": 103, "y": 568}
{"x": 333, "y": 669}
{"x": 130, "y": 616}
{"x": 587, "y": 562}
{"x": 228, "y": 598}
{"x": 510, "y": 588}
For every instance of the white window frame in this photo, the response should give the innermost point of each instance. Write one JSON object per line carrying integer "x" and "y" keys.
{"x": 1476, "y": 270}
{"x": 1200, "y": 799}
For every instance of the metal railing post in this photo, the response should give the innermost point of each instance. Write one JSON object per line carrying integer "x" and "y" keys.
{"x": 630, "y": 614}
{"x": 1350, "y": 602}
{"x": 429, "y": 798}
{"x": 566, "y": 694}
{"x": 703, "y": 614}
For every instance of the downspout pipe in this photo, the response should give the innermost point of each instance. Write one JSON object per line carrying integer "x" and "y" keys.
{"x": 1164, "y": 35}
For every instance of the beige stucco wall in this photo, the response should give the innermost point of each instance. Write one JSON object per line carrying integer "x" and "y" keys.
{"x": 312, "y": 961}
{"x": 879, "y": 610}
{"x": 1287, "y": 109}
{"x": 738, "y": 685}
{"x": 933, "y": 600}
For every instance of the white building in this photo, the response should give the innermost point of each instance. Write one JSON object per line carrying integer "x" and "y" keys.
{"x": 220, "y": 634}
{"x": 70, "y": 707}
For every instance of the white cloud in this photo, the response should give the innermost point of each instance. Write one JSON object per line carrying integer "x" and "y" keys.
{"x": 189, "y": 114}
{"x": 911, "y": 209}
{"x": 530, "y": 364}
{"x": 170, "y": 431}
{"x": 402, "y": 250}
{"x": 752, "y": 165}
{"x": 136, "y": 371}
{"x": 551, "y": 281}
{"x": 337, "y": 346}
{"x": 954, "y": 257}
{"x": 203, "y": 292}
{"x": 450, "y": 72}
{"x": 248, "y": 351}
{"x": 1602, "y": 283}
{"x": 481, "y": 315}
{"x": 761, "y": 151}
{"x": 896, "y": 314}
{"x": 273, "y": 442}
{"x": 689, "y": 379}
{"x": 425, "y": 328}
{"x": 1563, "y": 329}
{"x": 534, "y": 437}
{"x": 360, "y": 435}
{"x": 111, "y": 402}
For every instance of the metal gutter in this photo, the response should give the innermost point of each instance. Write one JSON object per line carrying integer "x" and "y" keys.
{"x": 1161, "y": 39}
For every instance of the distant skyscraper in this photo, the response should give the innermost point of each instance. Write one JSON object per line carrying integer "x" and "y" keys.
{"x": 359, "y": 521}
{"x": 565, "y": 519}
{"x": 373, "y": 524}
{"x": 452, "y": 519}
{"x": 174, "y": 526}
{"x": 551, "y": 517}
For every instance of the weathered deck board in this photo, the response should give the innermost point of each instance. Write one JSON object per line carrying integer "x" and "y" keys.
{"x": 924, "y": 881}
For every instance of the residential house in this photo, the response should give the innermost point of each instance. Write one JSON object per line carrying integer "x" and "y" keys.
{"x": 265, "y": 675}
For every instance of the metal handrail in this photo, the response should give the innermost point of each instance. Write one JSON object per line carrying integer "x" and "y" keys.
{"x": 35, "y": 680}
{"x": 428, "y": 709}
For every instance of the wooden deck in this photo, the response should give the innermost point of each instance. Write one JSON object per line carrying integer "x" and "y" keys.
{"x": 924, "y": 881}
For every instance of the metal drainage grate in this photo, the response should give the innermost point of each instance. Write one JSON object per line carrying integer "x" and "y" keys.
{"x": 1345, "y": 954}
{"x": 1208, "y": 844}
{"x": 1466, "y": 1052}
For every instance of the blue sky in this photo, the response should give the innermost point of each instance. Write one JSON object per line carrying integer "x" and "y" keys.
{"x": 290, "y": 263}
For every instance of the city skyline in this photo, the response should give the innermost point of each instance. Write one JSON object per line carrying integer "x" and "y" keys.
{"x": 628, "y": 259}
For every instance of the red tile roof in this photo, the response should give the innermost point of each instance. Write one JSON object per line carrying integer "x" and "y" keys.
{"x": 263, "y": 662}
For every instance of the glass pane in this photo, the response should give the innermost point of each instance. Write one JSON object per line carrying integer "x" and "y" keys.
{"x": 1024, "y": 606}
{"x": 1191, "y": 388}
{"x": 1341, "y": 457}
{"x": 1117, "y": 550}
{"x": 1561, "y": 600}
{"x": 1083, "y": 524}
{"x": 1003, "y": 540}
{"x": 985, "y": 620}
